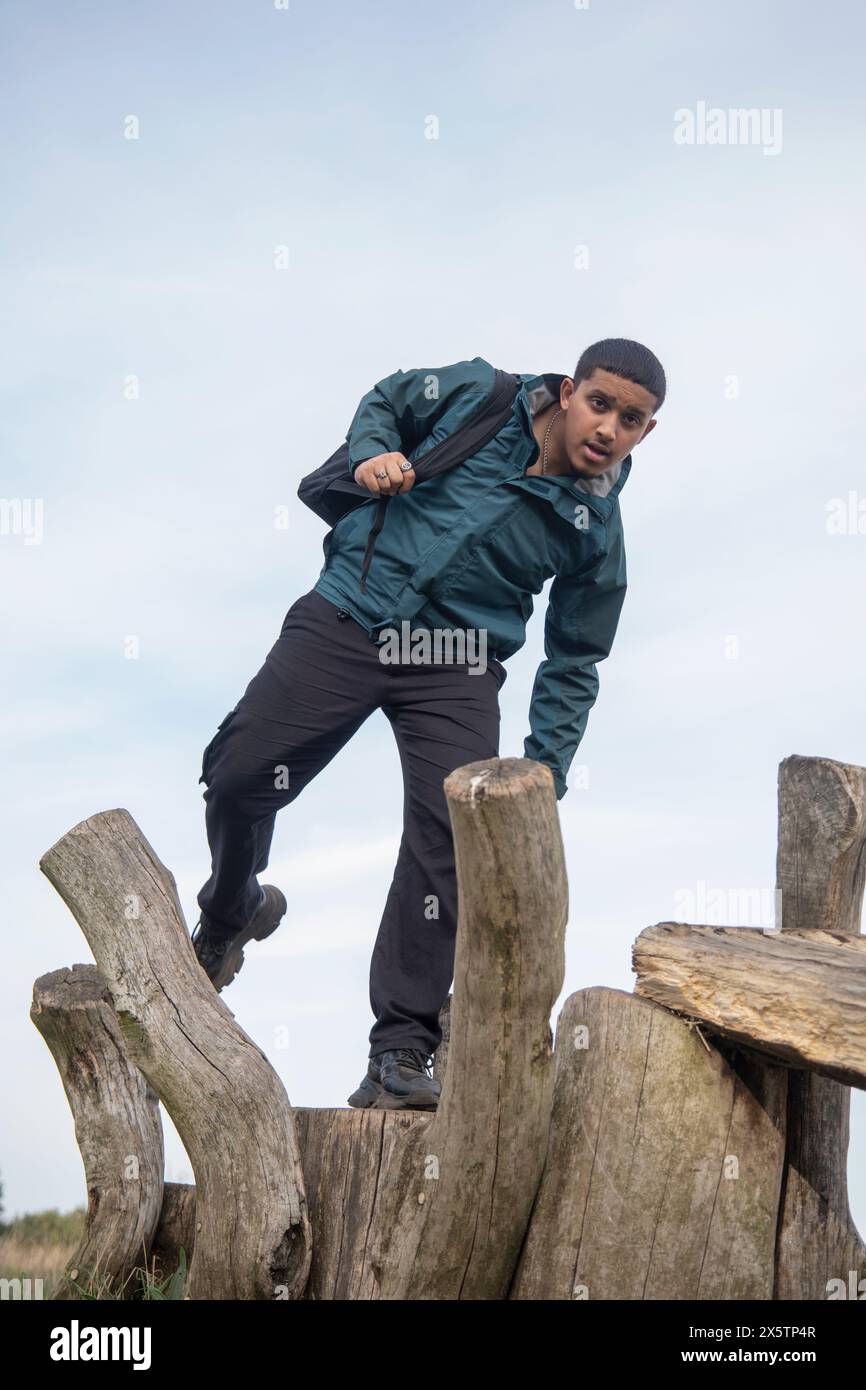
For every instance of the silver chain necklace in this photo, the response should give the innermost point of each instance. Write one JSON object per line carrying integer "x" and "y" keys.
{"x": 553, "y": 417}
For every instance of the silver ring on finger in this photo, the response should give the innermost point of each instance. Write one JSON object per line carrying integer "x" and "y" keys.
{"x": 381, "y": 475}
{"x": 406, "y": 467}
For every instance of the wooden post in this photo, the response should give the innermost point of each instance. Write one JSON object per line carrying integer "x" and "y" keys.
{"x": 642, "y": 1160}
{"x": 821, "y": 855}
{"x": 117, "y": 1126}
{"x": 820, "y": 869}
{"x": 461, "y": 1187}
{"x": 664, "y": 1164}
{"x": 228, "y": 1104}
{"x": 679, "y": 1173}
{"x": 409, "y": 1205}
{"x": 797, "y": 994}
{"x": 406, "y": 1204}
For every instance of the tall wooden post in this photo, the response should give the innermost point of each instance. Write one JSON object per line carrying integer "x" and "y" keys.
{"x": 820, "y": 872}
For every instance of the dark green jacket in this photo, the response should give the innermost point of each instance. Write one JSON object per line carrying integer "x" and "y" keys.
{"x": 470, "y": 547}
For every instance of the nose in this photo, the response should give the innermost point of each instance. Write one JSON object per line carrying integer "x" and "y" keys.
{"x": 606, "y": 429}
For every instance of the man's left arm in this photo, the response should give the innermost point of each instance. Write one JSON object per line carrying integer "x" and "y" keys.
{"x": 579, "y": 627}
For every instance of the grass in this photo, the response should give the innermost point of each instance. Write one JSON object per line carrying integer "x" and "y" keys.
{"x": 41, "y": 1245}
{"x": 140, "y": 1285}
{"x": 21, "y": 1258}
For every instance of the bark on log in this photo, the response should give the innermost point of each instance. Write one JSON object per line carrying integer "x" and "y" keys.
{"x": 347, "y": 1157}
{"x": 820, "y": 868}
{"x": 413, "y": 1205}
{"x": 799, "y": 996}
{"x": 175, "y": 1230}
{"x": 440, "y": 1056}
{"x": 229, "y": 1106}
{"x": 821, "y": 855}
{"x": 664, "y": 1164}
{"x": 449, "y": 1193}
{"x": 117, "y": 1126}
{"x": 675, "y": 1168}
{"x": 813, "y": 1019}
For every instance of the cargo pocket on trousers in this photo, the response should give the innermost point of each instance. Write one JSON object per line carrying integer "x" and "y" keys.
{"x": 208, "y": 752}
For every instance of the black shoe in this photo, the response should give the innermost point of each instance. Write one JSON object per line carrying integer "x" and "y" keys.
{"x": 370, "y": 1088}
{"x": 221, "y": 956}
{"x": 398, "y": 1079}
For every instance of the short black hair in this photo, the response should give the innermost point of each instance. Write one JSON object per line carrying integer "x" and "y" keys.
{"x": 624, "y": 358}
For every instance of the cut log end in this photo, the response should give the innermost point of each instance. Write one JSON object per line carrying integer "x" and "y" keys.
{"x": 103, "y": 821}
{"x": 77, "y": 986}
{"x": 497, "y": 777}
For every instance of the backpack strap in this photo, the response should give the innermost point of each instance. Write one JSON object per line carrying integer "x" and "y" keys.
{"x": 483, "y": 424}
{"x": 378, "y": 523}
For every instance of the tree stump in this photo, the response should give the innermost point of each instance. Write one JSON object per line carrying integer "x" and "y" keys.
{"x": 228, "y": 1104}
{"x": 796, "y": 992}
{"x": 664, "y": 1165}
{"x": 820, "y": 869}
{"x": 434, "y": 1206}
{"x": 639, "y": 1160}
{"x": 407, "y": 1204}
{"x": 117, "y": 1126}
{"x": 662, "y": 1218}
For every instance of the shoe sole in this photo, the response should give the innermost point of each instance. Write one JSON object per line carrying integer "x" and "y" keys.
{"x": 387, "y": 1101}
{"x": 371, "y": 1095}
{"x": 234, "y": 956}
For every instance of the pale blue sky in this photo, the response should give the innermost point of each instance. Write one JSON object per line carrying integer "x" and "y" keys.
{"x": 154, "y": 257}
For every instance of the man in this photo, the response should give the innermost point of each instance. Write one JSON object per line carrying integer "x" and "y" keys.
{"x": 463, "y": 552}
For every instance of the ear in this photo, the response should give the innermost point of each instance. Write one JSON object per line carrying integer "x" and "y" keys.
{"x": 566, "y": 391}
{"x": 651, "y": 426}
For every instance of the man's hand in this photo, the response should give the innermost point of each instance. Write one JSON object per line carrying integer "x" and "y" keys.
{"x": 394, "y": 481}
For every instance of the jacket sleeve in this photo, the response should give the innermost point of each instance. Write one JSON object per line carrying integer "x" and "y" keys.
{"x": 579, "y": 628}
{"x": 401, "y": 410}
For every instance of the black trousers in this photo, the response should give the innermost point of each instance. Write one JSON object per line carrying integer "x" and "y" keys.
{"x": 320, "y": 681}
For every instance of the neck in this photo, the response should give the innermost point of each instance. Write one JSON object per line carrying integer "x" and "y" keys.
{"x": 556, "y": 460}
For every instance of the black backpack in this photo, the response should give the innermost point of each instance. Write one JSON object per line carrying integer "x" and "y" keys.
{"x": 330, "y": 492}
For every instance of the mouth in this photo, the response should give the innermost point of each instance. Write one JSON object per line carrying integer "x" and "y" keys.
{"x": 595, "y": 453}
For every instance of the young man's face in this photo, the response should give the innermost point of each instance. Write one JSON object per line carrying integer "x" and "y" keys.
{"x": 604, "y": 412}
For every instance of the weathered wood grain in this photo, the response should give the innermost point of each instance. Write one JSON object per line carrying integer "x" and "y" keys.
{"x": 820, "y": 868}
{"x": 346, "y": 1156}
{"x": 821, "y": 853}
{"x": 648, "y": 1159}
{"x": 175, "y": 1230}
{"x": 440, "y": 1056}
{"x": 454, "y": 1188}
{"x": 664, "y": 1164}
{"x": 117, "y": 1127}
{"x": 228, "y": 1104}
{"x": 798, "y": 995}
